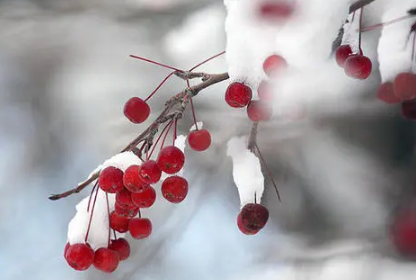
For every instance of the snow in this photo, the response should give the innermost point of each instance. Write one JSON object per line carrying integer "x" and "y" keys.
{"x": 247, "y": 173}
{"x": 122, "y": 161}
{"x": 199, "y": 124}
{"x": 98, "y": 234}
{"x": 351, "y": 31}
{"x": 180, "y": 142}
{"x": 395, "y": 44}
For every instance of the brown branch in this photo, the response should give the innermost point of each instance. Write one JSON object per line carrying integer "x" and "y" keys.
{"x": 174, "y": 109}
{"x": 253, "y": 137}
{"x": 359, "y": 4}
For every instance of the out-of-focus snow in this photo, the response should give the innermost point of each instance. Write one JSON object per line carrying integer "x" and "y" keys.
{"x": 395, "y": 45}
{"x": 99, "y": 230}
{"x": 247, "y": 173}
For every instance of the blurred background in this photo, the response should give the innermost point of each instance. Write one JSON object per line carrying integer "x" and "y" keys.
{"x": 65, "y": 75}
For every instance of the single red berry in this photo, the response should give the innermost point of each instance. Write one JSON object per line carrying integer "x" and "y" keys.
{"x": 238, "y": 95}
{"x": 136, "y": 110}
{"x": 175, "y": 189}
{"x": 123, "y": 199}
{"x": 273, "y": 65}
{"x": 241, "y": 227}
{"x": 403, "y": 233}
{"x": 149, "y": 172}
{"x": 342, "y": 53}
{"x": 79, "y": 256}
{"x": 259, "y": 111}
{"x": 170, "y": 160}
{"x": 254, "y": 216}
{"x": 386, "y": 93}
{"x": 140, "y": 228}
{"x": 276, "y": 11}
{"x": 122, "y": 247}
{"x": 119, "y": 223}
{"x": 199, "y": 140}
{"x": 265, "y": 92}
{"x": 144, "y": 199}
{"x": 132, "y": 181}
{"x": 409, "y": 109}
{"x": 129, "y": 213}
{"x": 358, "y": 67}
{"x": 106, "y": 260}
{"x": 405, "y": 86}
{"x": 66, "y": 248}
{"x": 111, "y": 179}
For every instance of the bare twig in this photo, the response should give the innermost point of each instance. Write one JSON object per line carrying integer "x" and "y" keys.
{"x": 174, "y": 109}
{"x": 253, "y": 137}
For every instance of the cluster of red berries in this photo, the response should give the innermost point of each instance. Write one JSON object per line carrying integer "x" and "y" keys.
{"x": 401, "y": 90}
{"x": 239, "y": 95}
{"x": 252, "y": 218}
{"x": 355, "y": 65}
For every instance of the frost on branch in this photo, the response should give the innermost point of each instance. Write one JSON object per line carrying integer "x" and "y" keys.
{"x": 121, "y": 161}
{"x": 247, "y": 173}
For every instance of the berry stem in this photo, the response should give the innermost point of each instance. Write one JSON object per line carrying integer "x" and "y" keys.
{"x": 158, "y": 139}
{"x": 268, "y": 171}
{"x": 372, "y": 27}
{"x": 89, "y": 200}
{"x": 157, "y": 63}
{"x": 359, "y": 32}
{"x": 192, "y": 107}
{"x": 159, "y": 86}
{"x": 140, "y": 214}
{"x": 166, "y": 135}
{"x": 175, "y": 131}
{"x": 108, "y": 213}
{"x": 92, "y": 214}
{"x": 205, "y": 61}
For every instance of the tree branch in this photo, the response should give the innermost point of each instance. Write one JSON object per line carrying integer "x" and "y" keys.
{"x": 174, "y": 109}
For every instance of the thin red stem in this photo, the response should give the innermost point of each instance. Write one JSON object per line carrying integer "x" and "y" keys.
{"x": 89, "y": 200}
{"x": 159, "y": 86}
{"x": 157, "y": 63}
{"x": 268, "y": 171}
{"x": 140, "y": 214}
{"x": 175, "y": 131}
{"x": 192, "y": 107}
{"x": 115, "y": 235}
{"x": 166, "y": 135}
{"x": 158, "y": 139}
{"x": 205, "y": 61}
{"x": 359, "y": 32}
{"x": 92, "y": 213}
{"x": 372, "y": 27}
{"x": 108, "y": 212}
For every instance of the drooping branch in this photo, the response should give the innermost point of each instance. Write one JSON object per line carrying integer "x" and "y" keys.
{"x": 173, "y": 110}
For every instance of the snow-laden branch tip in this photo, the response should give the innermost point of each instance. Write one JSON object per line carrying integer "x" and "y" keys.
{"x": 247, "y": 173}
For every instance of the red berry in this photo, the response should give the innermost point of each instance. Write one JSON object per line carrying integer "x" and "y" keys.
{"x": 409, "y": 109}
{"x": 123, "y": 199}
{"x": 403, "y": 233}
{"x": 111, "y": 179}
{"x": 259, "y": 111}
{"x": 238, "y": 95}
{"x": 136, "y": 110}
{"x": 140, "y": 228}
{"x": 242, "y": 228}
{"x": 405, "y": 86}
{"x": 199, "y": 140}
{"x": 342, "y": 53}
{"x": 122, "y": 247}
{"x": 79, "y": 256}
{"x": 264, "y": 91}
{"x": 175, "y": 189}
{"x": 106, "y": 260}
{"x": 66, "y": 248}
{"x": 386, "y": 93}
{"x": 358, "y": 67}
{"x": 276, "y": 11}
{"x": 254, "y": 216}
{"x": 129, "y": 213}
{"x": 144, "y": 199}
{"x": 119, "y": 223}
{"x": 132, "y": 181}
{"x": 149, "y": 172}
{"x": 274, "y": 64}
{"x": 170, "y": 159}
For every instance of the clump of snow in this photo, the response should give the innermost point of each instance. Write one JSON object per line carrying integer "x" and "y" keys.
{"x": 199, "y": 124}
{"x": 351, "y": 31}
{"x": 99, "y": 230}
{"x": 395, "y": 44}
{"x": 122, "y": 161}
{"x": 247, "y": 173}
